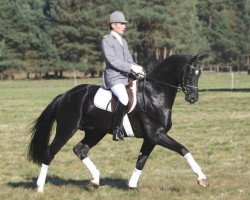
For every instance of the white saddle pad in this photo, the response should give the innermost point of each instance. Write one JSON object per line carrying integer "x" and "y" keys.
{"x": 103, "y": 98}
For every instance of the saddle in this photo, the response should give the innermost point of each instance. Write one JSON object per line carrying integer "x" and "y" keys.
{"x": 106, "y": 100}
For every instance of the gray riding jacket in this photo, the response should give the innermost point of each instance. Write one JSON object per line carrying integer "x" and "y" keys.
{"x": 118, "y": 61}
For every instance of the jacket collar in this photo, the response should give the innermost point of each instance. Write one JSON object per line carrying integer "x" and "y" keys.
{"x": 117, "y": 36}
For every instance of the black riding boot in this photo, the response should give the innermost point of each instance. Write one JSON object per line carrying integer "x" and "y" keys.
{"x": 120, "y": 111}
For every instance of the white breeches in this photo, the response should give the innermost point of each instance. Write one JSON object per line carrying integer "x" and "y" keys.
{"x": 120, "y": 91}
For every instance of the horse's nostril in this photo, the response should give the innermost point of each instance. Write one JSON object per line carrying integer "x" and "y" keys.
{"x": 192, "y": 100}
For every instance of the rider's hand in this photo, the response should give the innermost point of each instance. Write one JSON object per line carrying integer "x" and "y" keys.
{"x": 138, "y": 70}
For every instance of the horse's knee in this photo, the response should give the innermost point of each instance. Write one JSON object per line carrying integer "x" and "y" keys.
{"x": 81, "y": 150}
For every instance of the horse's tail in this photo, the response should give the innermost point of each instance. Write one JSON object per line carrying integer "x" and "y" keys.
{"x": 40, "y": 133}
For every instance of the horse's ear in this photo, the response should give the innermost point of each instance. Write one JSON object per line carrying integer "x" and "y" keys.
{"x": 193, "y": 59}
{"x": 201, "y": 57}
{"x": 198, "y": 58}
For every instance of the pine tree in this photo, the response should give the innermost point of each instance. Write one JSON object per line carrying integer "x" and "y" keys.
{"x": 42, "y": 35}
{"x": 227, "y": 30}
{"x": 75, "y": 28}
{"x": 166, "y": 27}
{"x": 25, "y": 45}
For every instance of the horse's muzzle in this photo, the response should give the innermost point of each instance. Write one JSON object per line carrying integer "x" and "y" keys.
{"x": 192, "y": 98}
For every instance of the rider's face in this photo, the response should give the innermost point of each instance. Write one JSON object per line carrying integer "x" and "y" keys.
{"x": 119, "y": 27}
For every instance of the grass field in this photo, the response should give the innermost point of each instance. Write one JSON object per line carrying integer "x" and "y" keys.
{"x": 216, "y": 130}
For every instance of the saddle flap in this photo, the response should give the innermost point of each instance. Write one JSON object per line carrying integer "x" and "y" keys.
{"x": 102, "y": 99}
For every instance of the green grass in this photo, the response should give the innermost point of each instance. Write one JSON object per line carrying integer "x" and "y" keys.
{"x": 211, "y": 80}
{"x": 215, "y": 130}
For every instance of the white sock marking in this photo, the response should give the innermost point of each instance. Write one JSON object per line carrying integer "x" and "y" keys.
{"x": 42, "y": 177}
{"x": 134, "y": 178}
{"x": 93, "y": 170}
{"x": 194, "y": 166}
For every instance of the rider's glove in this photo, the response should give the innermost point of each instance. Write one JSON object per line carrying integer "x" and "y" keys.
{"x": 138, "y": 71}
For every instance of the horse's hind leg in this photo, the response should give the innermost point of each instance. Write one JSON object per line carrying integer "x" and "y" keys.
{"x": 82, "y": 149}
{"x": 63, "y": 134}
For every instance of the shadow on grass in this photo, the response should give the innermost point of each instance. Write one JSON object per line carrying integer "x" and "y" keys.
{"x": 118, "y": 183}
{"x": 85, "y": 184}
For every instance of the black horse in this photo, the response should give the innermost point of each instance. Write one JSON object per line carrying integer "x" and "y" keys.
{"x": 150, "y": 119}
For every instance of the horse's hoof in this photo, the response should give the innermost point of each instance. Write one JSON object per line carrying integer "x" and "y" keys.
{"x": 40, "y": 189}
{"x": 133, "y": 188}
{"x": 94, "y": 184}
{"x": 203, "y": 182}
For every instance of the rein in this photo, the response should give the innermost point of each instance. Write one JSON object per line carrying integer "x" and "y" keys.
{"x": 167, "y": 84}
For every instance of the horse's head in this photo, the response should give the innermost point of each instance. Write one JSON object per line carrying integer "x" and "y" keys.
{"x": 190, "y": 76}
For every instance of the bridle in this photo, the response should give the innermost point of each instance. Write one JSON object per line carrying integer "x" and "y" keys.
{"x": 183, "y": 85}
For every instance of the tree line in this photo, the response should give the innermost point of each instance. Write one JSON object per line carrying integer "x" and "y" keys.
{"x": 37, "y": 36}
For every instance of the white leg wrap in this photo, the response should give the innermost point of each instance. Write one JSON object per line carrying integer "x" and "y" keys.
{"x": 134, "y": 178}
{"x": 42, "y": 177}
{"x": 194, "y": 166}
{"x": 93, "y": 170}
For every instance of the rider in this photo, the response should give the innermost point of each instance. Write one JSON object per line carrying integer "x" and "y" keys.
{"x": 119, "y": 63}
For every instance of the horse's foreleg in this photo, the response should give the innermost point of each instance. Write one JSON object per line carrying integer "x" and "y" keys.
{"x": 145, "y": 151}
{"x": 170, "y": 143}
{"x": 197, "y": 170}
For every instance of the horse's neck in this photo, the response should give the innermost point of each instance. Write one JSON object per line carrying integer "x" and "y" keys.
{"x": 168, "y": 70}
{"x": 158, "y": 93}
{"x": 163, "y": 81}
{"x": 168, "y": 93}
{"x": 165, "y": 75}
